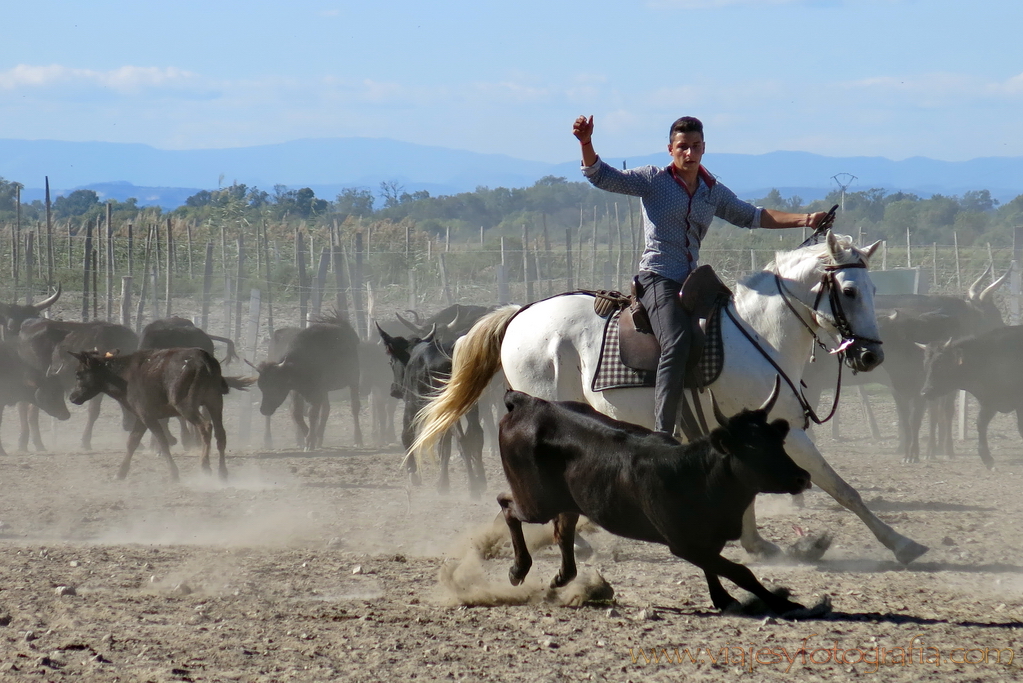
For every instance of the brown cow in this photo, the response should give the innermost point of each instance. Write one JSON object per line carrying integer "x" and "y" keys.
{"x": 158, "y": 383}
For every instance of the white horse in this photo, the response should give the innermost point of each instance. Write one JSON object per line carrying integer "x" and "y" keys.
{"x": 550, "y": 349}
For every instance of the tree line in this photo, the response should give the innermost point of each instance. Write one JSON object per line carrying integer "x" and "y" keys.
{"x": 552, "y": 202}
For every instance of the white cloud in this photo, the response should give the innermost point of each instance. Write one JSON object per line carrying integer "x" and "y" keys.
{"x": 125, "y": 78}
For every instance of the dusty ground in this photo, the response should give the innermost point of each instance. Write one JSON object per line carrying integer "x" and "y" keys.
{"x": 324, "y": 566}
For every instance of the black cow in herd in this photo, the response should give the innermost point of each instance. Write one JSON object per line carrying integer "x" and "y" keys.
{"x": 47, "y": 346}
{"x": 989, "y": 366}
{"x": 12, "y": 315}
{"x": 420, "y": 367}
{"x": 173, "y": 333}
{"x": 906, "y": 321}
{"x": 321, "y": 358}
{"x": 23, "y": 383}
{"x": 564, "y": 459}
{"x": 154, "y": 384}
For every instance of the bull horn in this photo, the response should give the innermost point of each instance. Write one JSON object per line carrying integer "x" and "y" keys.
{"x": 973, "y": 292}
{"x": 769, "y": 403}
{"x": 415, "y": 315}
{"x": 433, "y": 332}
{"x": 50, "y": 372}
{"x": 722, "y": 420}
{"x": 406, "y": 323}
{"x": 990, "y": 289}
{"x": 49, "y": 301}
{"x": 249, "y": 363}
{"x": 456, "y": 321}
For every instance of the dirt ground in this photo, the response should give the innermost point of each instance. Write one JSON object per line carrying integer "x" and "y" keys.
{"x": 326, "y": 566}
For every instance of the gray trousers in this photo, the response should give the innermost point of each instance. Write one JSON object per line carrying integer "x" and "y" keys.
{"x": 670, "y": 324}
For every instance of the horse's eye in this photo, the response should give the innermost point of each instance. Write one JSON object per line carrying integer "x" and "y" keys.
{"x": 849, "y": 292}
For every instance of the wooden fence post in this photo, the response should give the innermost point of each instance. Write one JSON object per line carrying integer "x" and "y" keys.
{"x": 126, "y": 300}
{"x": 360, "y": 313}
{"x": 303, "y": 295}
{"x": 207, "y": 285}
{"x": 87, "y": 264}
{"x": 321, "y": 280}
{"x": 249, "y": 344}
{"x": 29, "y": 265}
{"x": 143, "y": 292}
{"x": 49, "y": 239}
{"x": 570, "y": 284}
{"x": 170, "y": 266}
{"x": 239, "y": 286}
{"x": 110, "y": 262}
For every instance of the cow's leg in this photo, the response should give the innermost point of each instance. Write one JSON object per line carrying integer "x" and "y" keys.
{"x": 319, "y": 407}
{"x": 2, "y": 451}
{"x": 23, "y": 434}
{"x": 805, "y": 454}
{"x": 522, "y": 560}
{"x": 321, "y": 426}
{"x": 138, "y": 429}
{"x": 444, "y": 450}
{"x": 94, "y": 405}
{"x": 161, "y": 439}
{"x": 564, "y": 536}
{"x": 216, "y": 412}
{"x": 268, "y": 441}
{"x": 470, "y": 445}
{"x": 742, "y": 577}
{"x": 984, "y": 416}
{"x": 298, "y": 416}
{"x": 408, "y": 435}
{"x": 947, "y": 413}
{"x": 33, "y": 425}
{"x": 188, "y": 434}
{"x": 356, "y": 407}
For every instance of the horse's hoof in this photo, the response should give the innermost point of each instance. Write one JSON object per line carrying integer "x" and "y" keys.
{"x": 763, "y": 550}
{"x": 909, "y": 551}
{"x": 516, "y": 576}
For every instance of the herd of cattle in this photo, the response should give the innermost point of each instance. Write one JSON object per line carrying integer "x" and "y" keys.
{"x": 562, "y": 460}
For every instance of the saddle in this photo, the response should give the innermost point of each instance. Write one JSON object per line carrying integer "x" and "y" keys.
{"x": 702, "y": 292}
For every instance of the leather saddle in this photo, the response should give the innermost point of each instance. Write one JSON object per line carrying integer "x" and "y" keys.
{"x": 701, "y": 293}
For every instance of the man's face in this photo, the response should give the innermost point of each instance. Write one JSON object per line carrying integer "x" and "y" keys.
{"x": 686, "y": 149}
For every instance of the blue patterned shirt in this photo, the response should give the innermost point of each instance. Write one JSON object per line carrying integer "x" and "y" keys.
{"x": 674, "y": 223}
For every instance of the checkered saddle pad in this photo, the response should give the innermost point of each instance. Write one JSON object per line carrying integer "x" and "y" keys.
{"x": 613, "y": 374}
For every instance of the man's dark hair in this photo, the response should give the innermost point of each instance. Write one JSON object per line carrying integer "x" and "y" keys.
{"x": 686, "y": 124}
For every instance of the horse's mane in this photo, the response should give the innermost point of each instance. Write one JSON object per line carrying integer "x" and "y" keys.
{"x": 819, "y": 255}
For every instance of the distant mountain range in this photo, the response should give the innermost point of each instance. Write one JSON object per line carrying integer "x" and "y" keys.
{"x": 167, "y": 177}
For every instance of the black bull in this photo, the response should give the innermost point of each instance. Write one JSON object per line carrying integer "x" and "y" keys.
{"x": 564, "y": 459}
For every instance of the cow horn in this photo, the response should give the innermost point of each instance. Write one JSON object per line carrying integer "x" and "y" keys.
{"x": 722, "y": 420}
{"x": 415, "y": 315}
{"x": 456, "y": 321}
{"x": 50, "y": 372}
{"x": 433, "y": 332}
{"x": 990, "y": 289}
{"x": 249, "y": 363}
{"x": 49, "y": 301}
{"x": 406, "y": 323}
{"x": 973, "y": 292}
{"x": 769, "y": 403}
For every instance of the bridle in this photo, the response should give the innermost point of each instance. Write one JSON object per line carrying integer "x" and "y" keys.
{"x": 838, "y": 319}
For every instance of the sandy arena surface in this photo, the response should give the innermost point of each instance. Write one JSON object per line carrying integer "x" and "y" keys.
{"x": 326, "y": 566}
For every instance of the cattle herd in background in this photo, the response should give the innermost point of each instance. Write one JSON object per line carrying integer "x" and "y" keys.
{"x": 934, "y": 345}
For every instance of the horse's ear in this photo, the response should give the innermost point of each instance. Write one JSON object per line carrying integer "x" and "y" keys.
{"x": 833, "y": 247}
{"x": 869, "y": 251}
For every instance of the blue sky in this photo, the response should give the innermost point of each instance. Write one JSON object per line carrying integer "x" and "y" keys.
{"x": 892, "y": 78}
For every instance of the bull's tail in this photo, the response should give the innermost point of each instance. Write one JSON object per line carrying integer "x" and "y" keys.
{"x": 231, "y": 355}
{"x": 476, "y": 360}
{"x": 239, "y": 383}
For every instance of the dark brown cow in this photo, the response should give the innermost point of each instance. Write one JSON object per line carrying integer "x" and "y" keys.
{"x": 12, "y": 315}
{"x": 20, "y": 382}
{"x": 47, "y": 344}
{"x": 321, "y": 358}
{"x": 563, "y": 459}
{"x": 156, "y": 384}
{"x": 279, "y": 341}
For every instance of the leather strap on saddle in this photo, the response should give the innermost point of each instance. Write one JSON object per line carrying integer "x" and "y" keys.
{"x": 702, "y": 292}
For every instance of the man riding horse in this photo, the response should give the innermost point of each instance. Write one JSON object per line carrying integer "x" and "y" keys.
{"x": 679, "y": 203}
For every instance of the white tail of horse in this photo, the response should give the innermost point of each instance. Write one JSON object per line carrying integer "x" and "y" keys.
{"x": 476, "y": 359}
